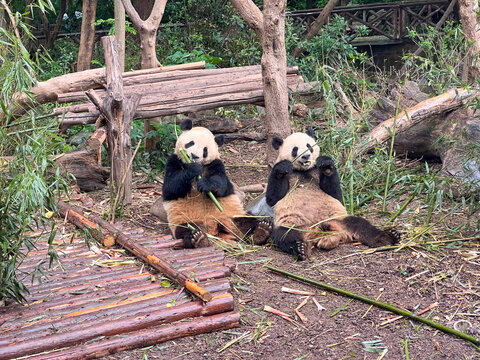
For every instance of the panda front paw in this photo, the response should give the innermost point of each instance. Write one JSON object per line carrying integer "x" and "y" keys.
{"x": 204, "y": 186}
{"x": 193, "y": 170}
{"x": 283, "y": 168}
{"x": 325, "y": 165}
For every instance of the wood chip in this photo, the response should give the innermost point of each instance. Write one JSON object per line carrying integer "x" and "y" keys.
{"x": 296, "y": 292}
{"x": 319, "y": 307}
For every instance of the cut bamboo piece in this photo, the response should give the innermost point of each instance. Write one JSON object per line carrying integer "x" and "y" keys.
{"x": 149, "y": 337}
{"x": 379, "y": 304}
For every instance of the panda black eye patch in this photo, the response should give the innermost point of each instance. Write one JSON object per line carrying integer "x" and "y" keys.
{"x": 205, "y": 152}
{"x": 295, "y": 151}
{"x": 310, "y": 148}
{"x": 189, "y": 144}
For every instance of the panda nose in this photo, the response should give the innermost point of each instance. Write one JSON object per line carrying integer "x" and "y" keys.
{"x": 306, "y": 157}
{"x": 194, "y": 157}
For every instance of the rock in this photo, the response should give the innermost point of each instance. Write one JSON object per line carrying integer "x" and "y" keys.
{"x": 300, "y": 110}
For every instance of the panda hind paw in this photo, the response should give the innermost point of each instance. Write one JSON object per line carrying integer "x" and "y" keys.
{"x": 388, "y": 237}
{"x": 304, "y": 250}
{"x": 262, "y": 232}
{"x": 395, "y": 236}
{"x": 200, "y": 239}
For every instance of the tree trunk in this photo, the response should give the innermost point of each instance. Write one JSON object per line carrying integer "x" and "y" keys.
{"x": 87, "y": 37}
{"x": 317, "y": 25}
{"x": 120, "y": 31}
{"x": 147, "y": 30}
{"x": 270, "y": 28}
{"x": 51, "y": 35}
{"x": 471, "y": 29}
{"x": 274, "y": 66}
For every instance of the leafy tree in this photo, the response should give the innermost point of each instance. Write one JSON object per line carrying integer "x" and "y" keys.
{"x": 28, "y": 179}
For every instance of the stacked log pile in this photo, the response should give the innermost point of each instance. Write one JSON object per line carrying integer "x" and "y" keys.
{"x": 181, "y": 91}
{"x": 101, "y": 302}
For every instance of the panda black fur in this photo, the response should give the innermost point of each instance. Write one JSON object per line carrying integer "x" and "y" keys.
{"x": 190, "y": 212}
{"x": 304, "y": 191}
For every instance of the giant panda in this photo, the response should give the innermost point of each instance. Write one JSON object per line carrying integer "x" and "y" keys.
{"x": 304, "y": 190}
{"x": 191, "y": 214}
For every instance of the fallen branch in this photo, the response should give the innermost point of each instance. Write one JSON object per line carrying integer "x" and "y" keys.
{"x": 447, "y": 101}
{"x": 141, "y": 252}
{"x": 254, "y": 188}
{"x": 82, "y": 222}
{"x": 379, "y": 304}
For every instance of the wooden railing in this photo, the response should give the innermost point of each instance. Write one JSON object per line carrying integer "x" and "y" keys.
{"x": 387, "y": 19}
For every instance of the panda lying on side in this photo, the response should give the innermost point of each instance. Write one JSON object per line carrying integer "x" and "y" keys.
{"x": 190, "y": 212}
{"x": 304, "y": 189}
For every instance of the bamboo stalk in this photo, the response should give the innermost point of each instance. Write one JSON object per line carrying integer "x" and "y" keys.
{"x": 210, "y": 195}
{"x": 379, "y": 304}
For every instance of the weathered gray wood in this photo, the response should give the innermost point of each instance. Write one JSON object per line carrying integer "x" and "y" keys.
{"x": 176, "y": 80}
{"x": 113, "y": 70}
{"x": 187, "y": 105}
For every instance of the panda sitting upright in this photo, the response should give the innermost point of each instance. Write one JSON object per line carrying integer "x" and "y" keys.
{"x": 191, "y": 214}
{"x": 304, "y": 190}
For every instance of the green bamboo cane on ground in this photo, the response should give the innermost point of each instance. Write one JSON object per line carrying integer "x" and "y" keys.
{"x": 445, "y": 329}
{"x": 214, "y": 199}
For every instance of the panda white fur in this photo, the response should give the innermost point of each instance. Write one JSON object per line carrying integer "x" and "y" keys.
{"x": 304, "y": 191}
{"x": 191, "y": 214}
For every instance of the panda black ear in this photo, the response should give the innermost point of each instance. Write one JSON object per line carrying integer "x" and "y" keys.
{"x": 310, "y": 132}
{"x": 186, "y": 124}
{"x": 219, "y": 139}
{"x": 277, "y": 142}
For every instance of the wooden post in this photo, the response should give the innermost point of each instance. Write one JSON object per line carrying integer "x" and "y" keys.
{"x": 118, "y": 111}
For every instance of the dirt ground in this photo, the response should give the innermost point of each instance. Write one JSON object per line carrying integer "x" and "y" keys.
{"x": 440, "y": 282}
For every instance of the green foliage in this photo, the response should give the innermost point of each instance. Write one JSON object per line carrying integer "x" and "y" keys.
{"x": 29, "y": 181}
{"x": 444, "y": 53}
{"x": 57, "y": 61}
{"x": 210, "y": 31}
{"x": 331, "y": 46}
{"x": 166, "y": 134}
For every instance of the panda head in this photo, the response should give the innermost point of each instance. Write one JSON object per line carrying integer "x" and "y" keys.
{"x": 200, "y": 145}
{"x": 299, "y": 148}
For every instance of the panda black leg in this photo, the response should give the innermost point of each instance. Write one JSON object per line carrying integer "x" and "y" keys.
{"x": 292, "y": 242}
{"x": 368, "y": 234}
{"x": 192, "y": 235}
{"x": 260, "y": 228}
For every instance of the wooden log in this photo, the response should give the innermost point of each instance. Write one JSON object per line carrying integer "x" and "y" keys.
{"x": 250, "y": 136}
{"x": 445, "y": 102}
{"x": 89, "y": 176}
{"x": 186, "y": 106}
{"x": 82, "y": 222}
{"x": 88, "y": 331}
{"x": 98, "y": 137}
{"x": 254, "y": 188}
{"x": 161, "y": 265}
{"x": 47, "y": 91}
{"x": 147, "y": 337}
{"x": 178, "y": 80}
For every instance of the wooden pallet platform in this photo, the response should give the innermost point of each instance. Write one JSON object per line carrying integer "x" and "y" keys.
{"x": 93, "y": 299}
